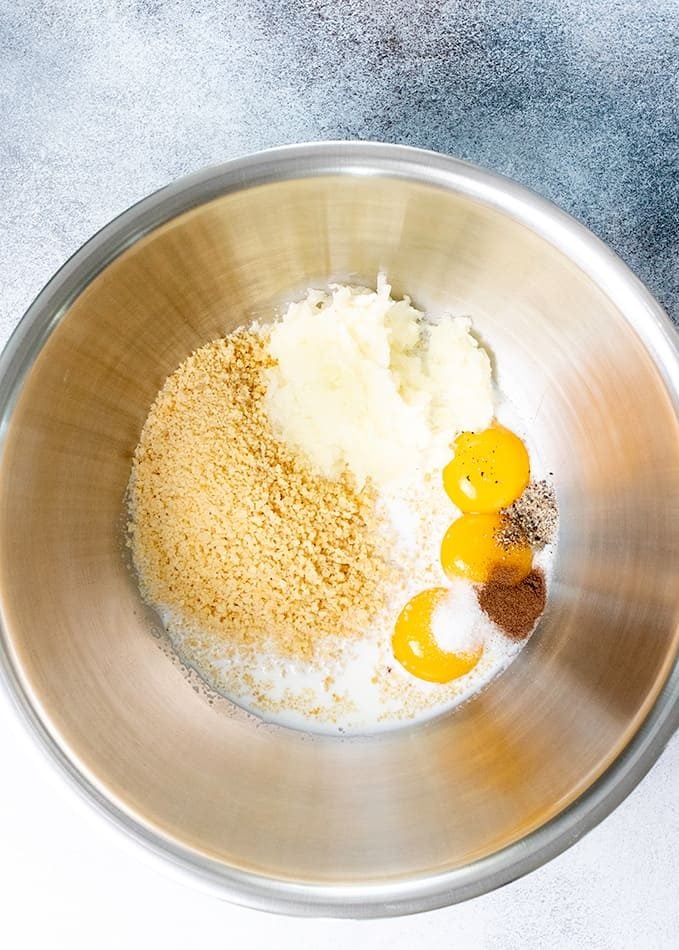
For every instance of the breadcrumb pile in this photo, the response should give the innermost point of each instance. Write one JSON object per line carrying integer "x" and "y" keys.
{"x": 228, "y": 525}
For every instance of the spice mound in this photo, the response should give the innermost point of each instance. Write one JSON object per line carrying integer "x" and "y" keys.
{"x": 514, "y": 607}
{"x": 232, "y": 528}
{"x": 532, "y": 518}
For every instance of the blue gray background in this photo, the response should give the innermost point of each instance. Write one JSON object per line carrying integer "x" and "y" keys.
{"x": 103, "y": 101}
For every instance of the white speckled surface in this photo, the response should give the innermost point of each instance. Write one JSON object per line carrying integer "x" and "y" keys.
{"x": 102, "y": 101}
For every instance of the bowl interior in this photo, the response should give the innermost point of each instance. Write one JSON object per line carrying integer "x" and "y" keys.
{"x": 206, "y": 778}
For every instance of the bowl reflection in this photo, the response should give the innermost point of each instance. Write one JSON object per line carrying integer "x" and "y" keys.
{"x": 422, "y": 816}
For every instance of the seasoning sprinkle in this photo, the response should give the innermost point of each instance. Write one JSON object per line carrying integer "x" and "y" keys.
{"x": 531, "y": 519}
{"x": 515, "y": 608}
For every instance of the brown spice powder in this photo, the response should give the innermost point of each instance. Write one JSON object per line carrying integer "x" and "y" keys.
{"x": 230, "y": 529}
{"x": 515, "y": 608}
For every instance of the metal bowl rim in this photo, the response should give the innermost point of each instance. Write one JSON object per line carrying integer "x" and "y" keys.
{"x": 592, "y": 256}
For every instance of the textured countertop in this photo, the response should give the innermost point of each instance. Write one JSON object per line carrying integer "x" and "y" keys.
{"x": 103, "y": 102}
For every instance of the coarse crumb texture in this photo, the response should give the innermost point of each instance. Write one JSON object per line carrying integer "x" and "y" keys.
{"x": 365, "y": 383}
{"x": 352, "y": 685}
{"x": 229, "y": 527}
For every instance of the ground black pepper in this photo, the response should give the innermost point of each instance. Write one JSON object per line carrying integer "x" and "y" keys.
{"x": 531, "y": 519}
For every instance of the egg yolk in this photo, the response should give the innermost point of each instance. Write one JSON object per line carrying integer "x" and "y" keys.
{"x": 416, "y": 649}
{"x": 489, "y": 471}
{"x": 470, "y": 549}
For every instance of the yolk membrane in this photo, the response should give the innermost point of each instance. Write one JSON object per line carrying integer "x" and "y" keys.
{"x": 470, "y": 549}
{"x": 415, "y": 647}
{"x": 489, "y": 471}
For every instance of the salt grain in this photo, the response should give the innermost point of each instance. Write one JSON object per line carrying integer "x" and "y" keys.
{"x": 458, "y": 622}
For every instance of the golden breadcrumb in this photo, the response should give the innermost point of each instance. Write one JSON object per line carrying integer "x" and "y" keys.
{"x": 230, "y": 530}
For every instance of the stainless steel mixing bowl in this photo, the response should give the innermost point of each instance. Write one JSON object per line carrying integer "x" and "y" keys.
{"x": 423, "y": 816}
